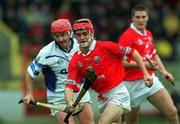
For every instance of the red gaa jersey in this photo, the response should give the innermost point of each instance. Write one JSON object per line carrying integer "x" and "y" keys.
{"x": 143, "y": 43}
{"x": 106, "y": 59}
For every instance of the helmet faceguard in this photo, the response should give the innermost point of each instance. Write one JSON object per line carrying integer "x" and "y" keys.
{"x": 61, "y": 25}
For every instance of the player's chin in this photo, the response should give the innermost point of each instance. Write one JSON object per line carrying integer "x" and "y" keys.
{"x": 141, "y": 26}
{"x": 63, "y": 43}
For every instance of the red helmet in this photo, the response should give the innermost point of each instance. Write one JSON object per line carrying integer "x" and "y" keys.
{"x": 83, "y": 24}
{"x": 60, "y": 25}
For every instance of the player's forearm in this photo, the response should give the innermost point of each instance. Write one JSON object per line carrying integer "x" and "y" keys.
{"x": 69, "y": 95}
{"x": 160, "y": 64}
{"x": 130, "y": 64}
{"x": 29, "y": 83}
{"x": 140, "y": 62}
{"x": 134, "y": 65}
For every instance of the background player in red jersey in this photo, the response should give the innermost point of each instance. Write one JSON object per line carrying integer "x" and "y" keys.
{"x": 139, "y": 38}
{"x": 106, "y": 60}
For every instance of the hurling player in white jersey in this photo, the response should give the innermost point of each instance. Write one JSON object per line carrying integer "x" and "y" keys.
{"x": 53, "y": 60}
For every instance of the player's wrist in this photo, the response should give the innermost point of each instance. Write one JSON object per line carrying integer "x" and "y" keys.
{"x": 29, "y": 92}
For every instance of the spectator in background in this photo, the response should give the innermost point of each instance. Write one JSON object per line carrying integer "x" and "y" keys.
{"x": 53, "y": 60}
{"x": 15, "y": 13}
{"x": 65, "y": 11}
{"x": 139, "y": 38}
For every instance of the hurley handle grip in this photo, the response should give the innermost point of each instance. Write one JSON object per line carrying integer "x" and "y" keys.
{"x": 90, "y": 79}
{"x": 33, "y": 103}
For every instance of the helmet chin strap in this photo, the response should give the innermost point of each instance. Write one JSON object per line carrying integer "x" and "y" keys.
{"x": 84, "y": 45}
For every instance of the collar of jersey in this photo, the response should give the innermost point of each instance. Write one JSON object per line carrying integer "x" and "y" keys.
{"x": 133, "y": 27}
{"x": 72, "y": 43}
{"x": 91, "y": 48}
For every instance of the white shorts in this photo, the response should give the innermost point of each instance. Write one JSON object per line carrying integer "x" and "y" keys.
{"x": 60, "y": 101}
{"x": 139, "y": 92}
{"x": 118, "y": 95}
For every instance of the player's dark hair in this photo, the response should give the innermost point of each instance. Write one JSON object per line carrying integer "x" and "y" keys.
{"x": 139, "y": 8}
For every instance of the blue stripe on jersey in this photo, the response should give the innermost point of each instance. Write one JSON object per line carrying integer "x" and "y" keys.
{"x": 33, "y": 69}
{"x": 50, "y": 78}
{"x": 56, "y": 56}
{"x": 39, "y": 64}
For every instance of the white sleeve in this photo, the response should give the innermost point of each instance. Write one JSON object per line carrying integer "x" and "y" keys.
{"x": 37, "y": 64}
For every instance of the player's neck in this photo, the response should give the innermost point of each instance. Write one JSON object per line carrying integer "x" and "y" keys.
{"x": 141, "y": 30}
{"x": 84, "y": 50}
{"x": 66, "y": 46}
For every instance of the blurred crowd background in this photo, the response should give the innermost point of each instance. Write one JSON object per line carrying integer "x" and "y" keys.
{"x": 31, "y": 19}
{"x": 25, "y": 28}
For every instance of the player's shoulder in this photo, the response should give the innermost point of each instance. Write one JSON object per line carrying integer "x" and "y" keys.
{"x": 148, "y": 32}
{"x": 128, "y": 31}
{"x": 48, "y": 48}
{"x": 105, "y": 43}
{"x": 76, "y": 57}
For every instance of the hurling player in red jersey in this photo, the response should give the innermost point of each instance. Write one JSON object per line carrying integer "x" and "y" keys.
{"x": 106, "y": 60}
{"x": 139, "y": 38}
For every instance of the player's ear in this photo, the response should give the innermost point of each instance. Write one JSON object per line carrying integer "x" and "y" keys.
{"x": 147, "y": 18}
{"x": 92, "y": 34}
{"x": 132, "y": 18}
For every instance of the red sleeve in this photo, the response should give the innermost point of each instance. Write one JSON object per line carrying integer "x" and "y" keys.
{"x": 128, "y": 54}
{"x": 152, "y": 48}
{"x": 124, "y": 40}
{"x": 74, "y": 87}
{"x": 123, "y": 52}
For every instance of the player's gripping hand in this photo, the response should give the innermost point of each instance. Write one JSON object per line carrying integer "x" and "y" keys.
{"x": 148, "y": 80}
{"x": 29, "y": 97}
{"x": 91, "y": 74}
{"x": 168, "y": 76}
{"x": 75, "y": 110}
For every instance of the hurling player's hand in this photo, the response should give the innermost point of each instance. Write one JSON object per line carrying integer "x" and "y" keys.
{"x": 148, "y": 80}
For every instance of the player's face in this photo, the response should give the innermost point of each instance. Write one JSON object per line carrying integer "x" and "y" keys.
{"x": 84, "y": 37}
{"x": 140, "y": 19}
{"x": 63, "y": 39}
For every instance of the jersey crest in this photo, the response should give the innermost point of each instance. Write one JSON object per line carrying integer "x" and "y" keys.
{"x": 96, "y": 59}
{"x": 80, "y": 64}
{"x": 139, "y": 42}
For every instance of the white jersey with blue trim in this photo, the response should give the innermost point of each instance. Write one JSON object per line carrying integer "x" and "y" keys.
{"x": 53, "y": 61}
